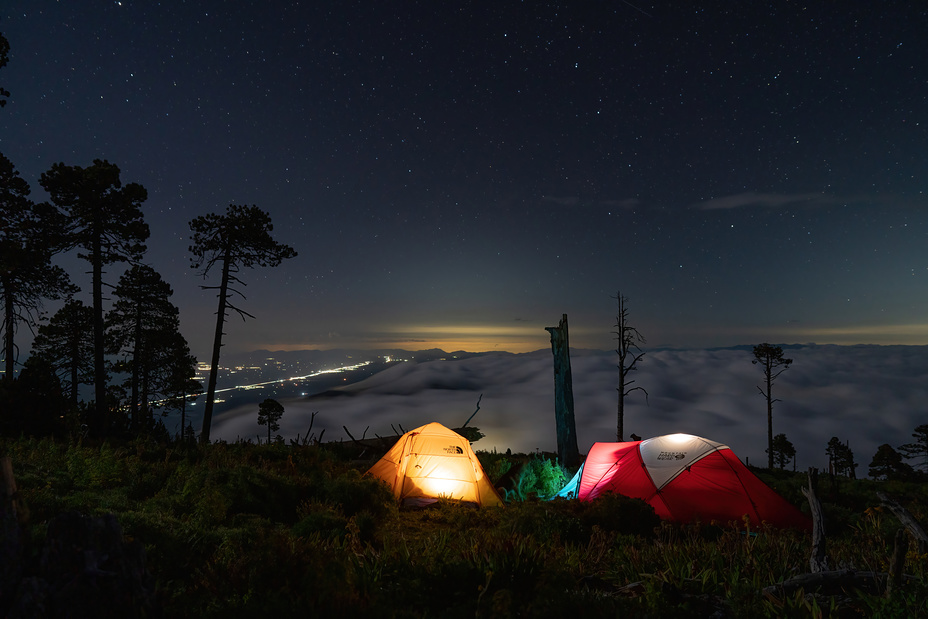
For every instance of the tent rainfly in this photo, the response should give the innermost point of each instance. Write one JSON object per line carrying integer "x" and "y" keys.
{"x": 685, "y": 478}
{"x": 433, "y": 462}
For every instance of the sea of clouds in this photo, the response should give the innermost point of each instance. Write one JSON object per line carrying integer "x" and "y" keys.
{"x": 864, "y": 395}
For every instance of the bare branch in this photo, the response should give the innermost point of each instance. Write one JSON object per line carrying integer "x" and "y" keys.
{"x": 475, "y": 411}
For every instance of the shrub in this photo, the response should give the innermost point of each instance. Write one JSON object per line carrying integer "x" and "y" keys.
{"x": 354, "y": 493}
{"x": 322, "y": 520}
{"x": 615, "y": 512}
{"x": 260, "y": 530}
{"x": 556, "y": 521}
{"x": 539, "y": 477}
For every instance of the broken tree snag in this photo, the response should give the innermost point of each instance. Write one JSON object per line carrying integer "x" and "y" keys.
{"x": 818, "y": 562}
{"x": 9, "y": 497}
{"x": 8, "y": 486}
{"x": 907, "y": 520}
{"x": 897, "y": 563}
{"x": 567, "y": 451}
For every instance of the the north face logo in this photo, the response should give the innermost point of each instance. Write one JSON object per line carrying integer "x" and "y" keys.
{"x": 453, "y": 449}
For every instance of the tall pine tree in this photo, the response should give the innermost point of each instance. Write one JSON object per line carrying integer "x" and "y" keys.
{"x": 143, "y": 329}
{"x": 771, "y": 360}
{"x": 239, "y": 239}
{"x": 180, "y": 383}
{"x": 841, "y": 458}
{"x": 106, "y": 224}
{"x": 66, "y": 344}
{"x": 30, "y": 234}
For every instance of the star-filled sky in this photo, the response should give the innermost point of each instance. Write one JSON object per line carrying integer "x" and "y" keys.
{"x": 459, "y": 175}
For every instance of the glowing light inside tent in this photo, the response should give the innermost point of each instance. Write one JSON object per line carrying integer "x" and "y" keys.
{"x": 449, "y": 476}
{"x": 434, "y": 462}
{"x": 448, "y": 488}
{"x": 678, "y": 438}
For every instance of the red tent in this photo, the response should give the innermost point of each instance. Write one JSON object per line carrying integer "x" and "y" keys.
{"x": 685, "y": 478}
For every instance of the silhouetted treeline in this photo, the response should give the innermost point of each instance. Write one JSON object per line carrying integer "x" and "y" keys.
{"x": 126, "y": 352}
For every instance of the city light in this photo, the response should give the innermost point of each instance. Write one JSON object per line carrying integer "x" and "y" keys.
{"x": 281, "y": 381}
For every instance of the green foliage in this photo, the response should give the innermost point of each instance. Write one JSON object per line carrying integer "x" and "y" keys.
{"x": 538, "y": 477}
{"x": 321, "y": 519}
{"x": 275, "y": 530}
{"x": 575, "y": 521}
{"x": 494, "y": 464}
{"x": 553, "y": 520}
{"x": 614, "y": 512}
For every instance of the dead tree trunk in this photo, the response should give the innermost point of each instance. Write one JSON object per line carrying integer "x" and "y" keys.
{"x": 897, "y": 563}
{"x": 818, "y": 562}
{"x": 9, "y": 497}
{"x": 567, "y": 450}
{"x": 907, "y": 520}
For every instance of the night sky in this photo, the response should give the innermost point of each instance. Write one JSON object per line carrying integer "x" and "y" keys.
{"x": 459, "y": 175}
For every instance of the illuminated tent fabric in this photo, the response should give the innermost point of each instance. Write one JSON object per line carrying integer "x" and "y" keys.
{"x": 433, "y": 462}
{"x": 684, "y": 478}
{"x": 569, "y": 491}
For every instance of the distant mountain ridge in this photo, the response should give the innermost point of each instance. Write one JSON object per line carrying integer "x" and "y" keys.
{"x": 348, "y": 355}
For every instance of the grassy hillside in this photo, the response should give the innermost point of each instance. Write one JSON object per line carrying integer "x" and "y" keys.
{"x": 275, "y": 530}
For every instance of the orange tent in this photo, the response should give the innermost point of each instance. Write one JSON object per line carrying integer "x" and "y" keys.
{"x": 433, "y": 462}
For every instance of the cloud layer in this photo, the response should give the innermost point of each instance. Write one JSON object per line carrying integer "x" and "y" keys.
{"x": 866, "y": 395}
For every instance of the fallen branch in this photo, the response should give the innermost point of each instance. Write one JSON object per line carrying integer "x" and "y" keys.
{"x": 833, "y": 582}
{"x": 377, "y": 443}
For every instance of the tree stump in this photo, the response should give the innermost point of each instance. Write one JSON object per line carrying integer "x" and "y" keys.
{"x": 567, "y": 450}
